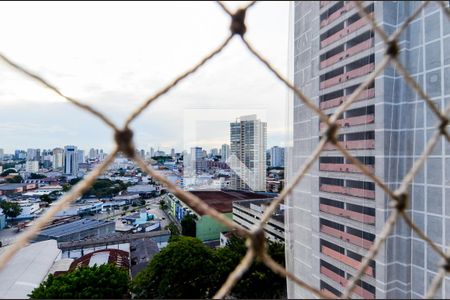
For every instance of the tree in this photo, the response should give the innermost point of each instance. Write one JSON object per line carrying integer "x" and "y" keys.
{"x": 163, "y": 205}
{"x": 66, "y": 187}
{"x": 37, "y": 176}
{"x": 181, "y": 270}
{"x": 15, "y": 179}
{"x": 188, "y": 226}
{"x": 46, "y": 198}
{"x": 97, "y": 282}
{"x": 7, "y": 172}
{"x": 10, "y": 209}
{"x": 256, "y": 282}
{"x": 174, "y": 231}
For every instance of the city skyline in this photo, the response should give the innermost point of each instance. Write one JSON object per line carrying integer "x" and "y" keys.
{"x": 115, "y": 78}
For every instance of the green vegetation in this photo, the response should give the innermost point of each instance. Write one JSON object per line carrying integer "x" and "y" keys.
{"x": 7, "y": 172}
{"x": 15, "y": 179}
{"x": 163, "y": 205}
{"x": 97, "y": 282}
{"x": 174, "y": 231}
{"x": 181, "y": 270}
{"x": 10, "y": 209}
{"x": 188, "y": 227}
{"x": 101, "y": 187}
{"x": 187, "y": 268}
{"x": 37, "y": 176}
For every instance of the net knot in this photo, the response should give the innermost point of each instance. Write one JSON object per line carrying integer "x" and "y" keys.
{"x": 400, "y": 200}
{"x": 238, "y": 22}
{"x": 124, "y": 141}
{"x": 392, "y": 48}
{"x": 258, "y": 242}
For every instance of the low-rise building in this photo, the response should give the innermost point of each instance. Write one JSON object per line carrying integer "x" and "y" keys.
{"x": 14, "y": 188}
{"x": 208, "y": 228}
{"x": 247, "y": 213}
{"x": 27, "y": 269}
{"x": 78, "y": 230}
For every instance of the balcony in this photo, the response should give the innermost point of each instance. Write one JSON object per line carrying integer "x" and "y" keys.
{"x": 366, "y": 94}
{"x": 358, "y": 24}
{"x": 346, "y": 260}
{"x": 353, "y": 145}
{"x": 363, "y": 218}
{"x": 343, "y": 282}
{"x": 347, "y": 75}
{"x": 353, "y": 121}
{"x": 347, "y": 53}
{"x": 345, "y": 31}
{"x": 345, "y": 236}
{"x": 347, "y": 168}
{"x": 336, "y": 14}
{"x": 355, "y": 192}
{"x": 361, "y": 71}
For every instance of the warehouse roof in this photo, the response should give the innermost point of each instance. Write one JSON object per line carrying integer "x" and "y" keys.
{"x": 77, "y": 226}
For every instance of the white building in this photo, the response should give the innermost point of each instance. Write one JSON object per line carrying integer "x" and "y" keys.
{"x": 248, "y": 137}
{"x": 58, "y": 158}
{"x": 32, "y": 166}
{"x": 225, "y": 152}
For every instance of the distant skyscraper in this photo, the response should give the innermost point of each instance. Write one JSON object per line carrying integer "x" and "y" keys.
{"x": 172, "y": 152}
{"x": 142, "y": 153}
{"x": 225, "y": 152}
{"x": 277, "y": 156}
{"x": 93, "y": 154}
{"x": 70, "y": 160}
{"x": 32, "y": 166}
{"x": 80, "y": 156}
{"x": 58, "y": 158}
{"x": 248, "y": 137}
{"x": 336, "y": 212}
{"x": 196, "y": 158}
{"x": 33, "y": 154}
{"x": 152, "y": 152}
{"x": 2, "y": 153}
{"x": 214, "y": 152}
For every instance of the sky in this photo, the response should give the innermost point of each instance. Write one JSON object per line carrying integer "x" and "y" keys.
{"x": 114, "y": 55}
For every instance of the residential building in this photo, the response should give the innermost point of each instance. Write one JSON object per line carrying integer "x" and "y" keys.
{"x": 247, "y": 213}
{"x": 214, "y": 152}
{"x": 70, "y": 160}
{"x": 2, "y": 153}
{"x": 225, "y": 152}
{"x": 32, "y": 166}
{"x": 58, "y": 158}
{"x": 196, "y": 159}
{"x": 152, "y": 152}
{"x": 208, "y": 228}
{"x": 248, "y": 138}
{"x": 33, "y": 154}
{"x": 172, "y": 152}
{"x": 80, "y": 156}
{"x": 277, "y": 156}
{"x": 336, "y": 212}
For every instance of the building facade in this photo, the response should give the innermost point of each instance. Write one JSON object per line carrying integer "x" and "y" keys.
{"x": 32, "y": 166}
{"x": 70, "y": 160}
{"x": 247, "y": 213}
{"x": 248, "y": 139}
{"x": 225, "y": 152}
{"x": 336, "y": 212}
{"x": 277, "y": 156}
{"x": 58, "y": 158}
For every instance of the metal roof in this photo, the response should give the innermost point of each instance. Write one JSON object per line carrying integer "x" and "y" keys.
{"x": 73, "y": 227}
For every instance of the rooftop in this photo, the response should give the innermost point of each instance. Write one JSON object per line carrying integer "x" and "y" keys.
{"x": 277, "y": 215}
{"x": 27, "y": 269}
{"x": 223, "y": 200}
{"x": 77, "y": 226}
{"x": 105, "y": 256}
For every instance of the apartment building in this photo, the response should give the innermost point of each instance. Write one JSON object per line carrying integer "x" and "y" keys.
{"x": 336, "y": 212}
